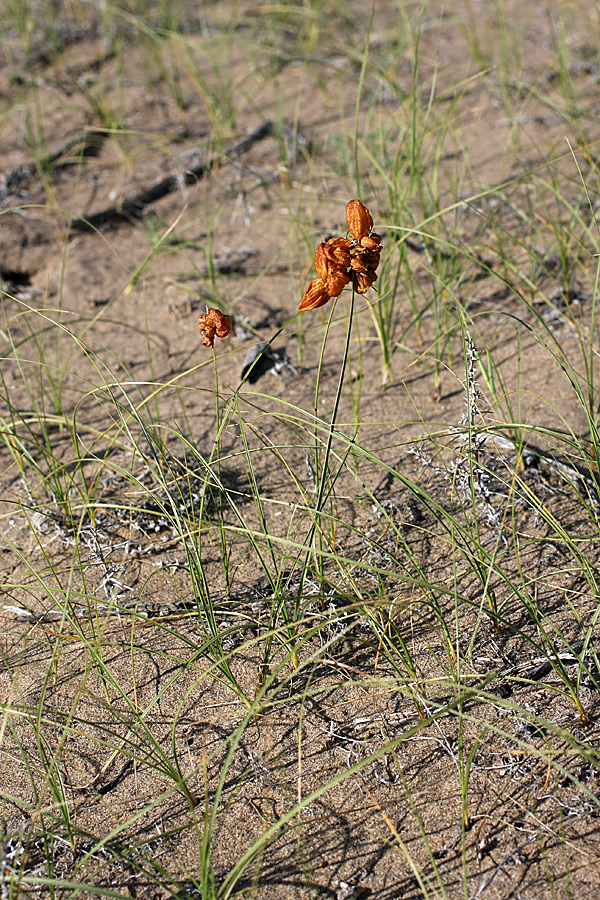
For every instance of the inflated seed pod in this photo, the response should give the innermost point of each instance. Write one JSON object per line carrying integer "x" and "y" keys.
{"x": 315, "y": 295}
{"x": 359, "y": 219}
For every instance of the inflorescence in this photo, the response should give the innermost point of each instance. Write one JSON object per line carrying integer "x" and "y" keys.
{"x": 340, "y": 261}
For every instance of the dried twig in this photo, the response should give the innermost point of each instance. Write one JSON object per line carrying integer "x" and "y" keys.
{"x": 131, "y": 208}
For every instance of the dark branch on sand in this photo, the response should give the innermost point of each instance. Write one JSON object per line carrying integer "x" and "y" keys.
{"x": 132, "y": 207}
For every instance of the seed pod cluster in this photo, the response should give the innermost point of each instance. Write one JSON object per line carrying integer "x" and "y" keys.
{"x": 342, "y": 260}
{"x": 213, "y": 324}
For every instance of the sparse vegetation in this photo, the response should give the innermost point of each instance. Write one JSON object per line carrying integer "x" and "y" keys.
{"x": 312, "y": 611}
